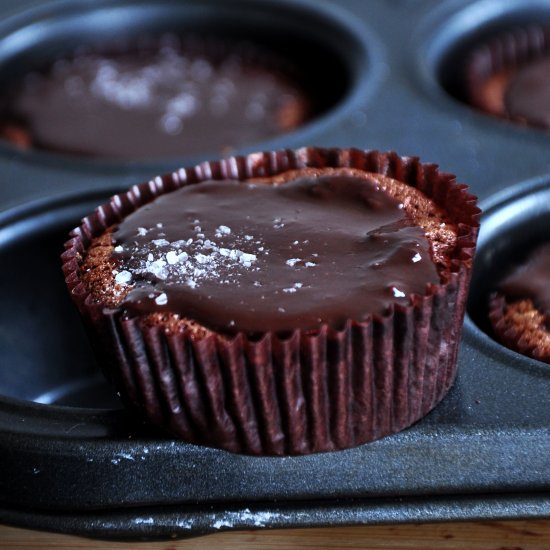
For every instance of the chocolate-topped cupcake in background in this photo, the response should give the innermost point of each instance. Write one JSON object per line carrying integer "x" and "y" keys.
{"x": 509, "y": 76}
{"x": 161, "y": 98}
{"x": 519, "y": 309}
{"x": 286, "y": 302}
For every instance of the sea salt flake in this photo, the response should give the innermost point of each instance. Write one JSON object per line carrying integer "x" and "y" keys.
{"x": 191, "y": 283}
{"x": 172, "y": 257}
{"x": 245, "y": 258}
{"x": 203, "y": 258}
{"x": 398, "y": 293}
{"x": 310, "y": 264}
{"x": 416, "y": 258}
{"x": 123, "y": 277}
{"x": 248, "y": 237}
{"x": 160, "y": 242}
{"x": 293, "y": 261}
{"x": 161, "y": 299}
{"x": 224, "y": 230}
{"x": 141, "y": 231}
{"x": 118, "y": 249}
{"x": 224, "y": 251}
{"x": 293, "y": 288}
{"x": 157, "y": 268}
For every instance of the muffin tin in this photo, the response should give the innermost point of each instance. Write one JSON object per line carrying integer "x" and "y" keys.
{"x": 73, "y": 460}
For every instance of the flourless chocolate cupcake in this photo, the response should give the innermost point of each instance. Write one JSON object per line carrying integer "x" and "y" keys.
{"x": 509, "y": 76}
{"x": 162, "y": 98}
{"x": 519, "y": 309}
{"x": 280, "y": 303}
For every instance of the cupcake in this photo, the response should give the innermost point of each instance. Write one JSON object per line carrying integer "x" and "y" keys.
{"x": 508, "y": 76}
{"x": 155, "y": 99}
{"x": 284, "y": 302}
{"x": 519, "y": 308}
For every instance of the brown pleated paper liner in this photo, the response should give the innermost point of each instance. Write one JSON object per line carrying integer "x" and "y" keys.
{"x": 306, "y": 392}
{"x": 500, "y": 55}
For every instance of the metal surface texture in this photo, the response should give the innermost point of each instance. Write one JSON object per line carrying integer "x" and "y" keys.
{"x": 72, "y": 460}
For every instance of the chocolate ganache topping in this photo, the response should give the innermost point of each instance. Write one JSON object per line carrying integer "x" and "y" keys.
{"x": 530, "y": 280}
{"x": 528, "y": 93}
{"x": 255, "y": 257}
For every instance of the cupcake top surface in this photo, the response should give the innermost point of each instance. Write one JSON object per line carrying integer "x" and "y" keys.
{"x": 254, "y": 257}
{"x": 171, "y": 98}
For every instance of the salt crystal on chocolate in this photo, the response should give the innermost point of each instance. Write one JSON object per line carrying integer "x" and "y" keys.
{"x": 123, "y": 277}
{"x": 161, "y": 299}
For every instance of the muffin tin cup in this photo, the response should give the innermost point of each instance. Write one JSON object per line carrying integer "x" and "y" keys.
{"x": 503, "y": 52}
{"x": 516, "y": 222}
{"x": 74, "y": 461}
{"x": 311, "y": 391}
{"x": 288, "y": 39}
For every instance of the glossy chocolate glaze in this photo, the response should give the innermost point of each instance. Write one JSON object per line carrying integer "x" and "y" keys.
{"x": 258, "y": 257}
{"x": 528, "y": 93}
{"x": 156, "y": 103}
{"x": 530, "y": 280}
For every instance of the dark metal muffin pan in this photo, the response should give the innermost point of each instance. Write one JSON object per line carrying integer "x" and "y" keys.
{"x": 73, "y": 460}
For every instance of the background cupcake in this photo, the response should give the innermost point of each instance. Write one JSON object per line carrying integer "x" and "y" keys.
{"x": 507, "y": 76}
{"x": 518, "y": 309}
{"x": 156, "y": 98}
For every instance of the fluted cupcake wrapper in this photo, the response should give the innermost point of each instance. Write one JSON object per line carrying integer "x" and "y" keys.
{"x": 304, "y": 392}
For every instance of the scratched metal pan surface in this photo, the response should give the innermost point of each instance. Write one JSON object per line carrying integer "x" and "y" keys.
{"x": 72, "y": 460}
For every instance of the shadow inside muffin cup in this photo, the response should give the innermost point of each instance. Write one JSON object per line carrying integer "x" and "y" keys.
{"x": 515, "y": 222}
{"x": 285, "y": 49}
{"x": 44, "y": 348}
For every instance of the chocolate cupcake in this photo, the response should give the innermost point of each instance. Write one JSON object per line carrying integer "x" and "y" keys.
{"x": 508, "y": 76}
{"x": 280, "y": 303}
{"x": 519, "y": 308}
{"x": 155, "y": 99}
